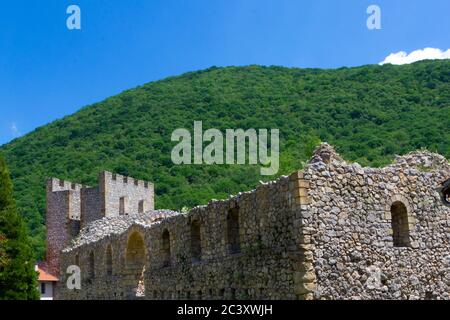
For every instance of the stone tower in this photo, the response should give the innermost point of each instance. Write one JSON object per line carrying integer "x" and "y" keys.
{"x": 71, "y": 206}
{"x": 62, "y": 218}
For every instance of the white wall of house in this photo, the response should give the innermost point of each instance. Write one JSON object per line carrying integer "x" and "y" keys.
{"x": 46, "y": 290}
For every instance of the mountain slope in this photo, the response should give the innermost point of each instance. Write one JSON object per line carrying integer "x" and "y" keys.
{"x": 369, "y": 113}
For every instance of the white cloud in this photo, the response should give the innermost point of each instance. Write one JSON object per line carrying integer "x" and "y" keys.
{"x": 424, "y": 54}
{"x": 14, "y": 130}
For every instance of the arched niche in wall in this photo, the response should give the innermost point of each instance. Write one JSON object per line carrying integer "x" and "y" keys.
{"x": 166, "y": 255}
{"x": 402, "y": 221}
{"x": 108, "y": 260}
{"x": 135, "y": 257}
{"x": 233, "y": 233}
{"x": 91, "y": 266}
{"x": 444, "y": 191}
{"x": 400, "y": 225}
{"x": 196, "y": 241}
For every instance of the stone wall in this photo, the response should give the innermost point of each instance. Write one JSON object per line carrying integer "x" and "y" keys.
{"x": 351, "y": 231}
{"x": 91, "y": 205}
{"x": 267, "y": 263}
{"x": 333, "y": 231}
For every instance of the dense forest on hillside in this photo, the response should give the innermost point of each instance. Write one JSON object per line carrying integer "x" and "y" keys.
{"x": 368, "y": 113}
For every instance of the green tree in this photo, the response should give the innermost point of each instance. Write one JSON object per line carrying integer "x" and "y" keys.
{"x": 18, "y": 280}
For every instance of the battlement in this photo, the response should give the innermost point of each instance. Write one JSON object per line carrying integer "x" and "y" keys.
{"x": 64, "y": 194}
{"x": 110, "y": 177}
{"x": 122, "y": 195}
{"x": 55, "y": 185}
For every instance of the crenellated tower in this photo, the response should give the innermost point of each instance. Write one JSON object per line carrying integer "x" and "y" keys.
{"x": 72, "y": 206}
{"x": 62, "y": 218}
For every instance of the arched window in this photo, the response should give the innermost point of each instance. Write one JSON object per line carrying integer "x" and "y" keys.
{"x": 233, "y": 237}
{"x": 445, "y": 192}
{"x": 135, "y": 256}
{"x": 91, "y": 264}
{"x": 166, "y": 248}
{"x": 135, "y": 260}
{"x": 400, "y": 225}
{"x": 196, "y": 241}
{"x": 108, "y": 261}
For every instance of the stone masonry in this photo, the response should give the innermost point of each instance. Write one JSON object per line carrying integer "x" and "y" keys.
{"x": 332, "y": 231}
{"x": 71, "y": 206}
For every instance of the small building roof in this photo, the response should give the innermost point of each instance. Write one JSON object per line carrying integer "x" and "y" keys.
{"x": 45, "y": 276}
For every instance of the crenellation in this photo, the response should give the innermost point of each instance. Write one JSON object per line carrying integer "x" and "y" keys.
{"x": 56, "y": 184}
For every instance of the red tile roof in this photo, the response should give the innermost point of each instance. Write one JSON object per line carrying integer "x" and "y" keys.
{"x": 45, "y": 276}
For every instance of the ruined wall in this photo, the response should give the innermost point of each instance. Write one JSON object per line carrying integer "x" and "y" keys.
{"x": 268, "y": 265}
{"x": 351, "y": 230}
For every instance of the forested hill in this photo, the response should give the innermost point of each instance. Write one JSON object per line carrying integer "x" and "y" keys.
{"x": 369, "y": 113}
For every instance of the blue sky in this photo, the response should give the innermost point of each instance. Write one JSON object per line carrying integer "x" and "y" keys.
{"x": 48, "y": 71}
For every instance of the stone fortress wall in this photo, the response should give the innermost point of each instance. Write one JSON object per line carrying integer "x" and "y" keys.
{"x": 332, "y": 231}
{"x": 240, "y": 248}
